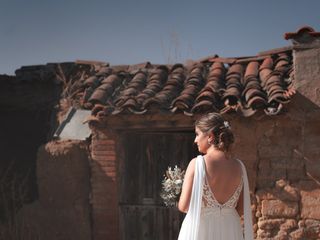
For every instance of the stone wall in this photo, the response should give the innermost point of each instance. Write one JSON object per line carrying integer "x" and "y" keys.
{"x": 63, "y": 211}
{"x": 283, "y": 158}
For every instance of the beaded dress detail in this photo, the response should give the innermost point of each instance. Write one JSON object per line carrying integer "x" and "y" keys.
{"x": 209, "y": 200}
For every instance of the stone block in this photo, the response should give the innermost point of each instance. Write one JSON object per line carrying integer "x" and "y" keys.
{"x": 308, "y": 229}
{"x": 310, "y": 202}
{"x": 275, "y": 228}
{"x": 270, "y": 224}
{"x": 312, "y": 229}
{"x": 289, "y": 224}
{"x": 262, "y": 234}
{"x": 282, "y": 191}
{"x": 279, "y": 209}
{"x": 286, "y": 192}
{"x": 297, "y": 234}
{"x": 281, "y": 235}
{"x": 265, "y": 194}
{"x": 284, "y": 224}
{"x": 289, "y": 193}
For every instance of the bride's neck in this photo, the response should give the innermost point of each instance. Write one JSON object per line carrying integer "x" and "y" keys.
{"x": 216, "y": 155}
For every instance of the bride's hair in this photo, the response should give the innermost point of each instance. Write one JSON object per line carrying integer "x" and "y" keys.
{"x": 215, "y": 123}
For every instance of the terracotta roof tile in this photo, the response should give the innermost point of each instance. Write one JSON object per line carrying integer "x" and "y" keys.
{"x": 192, "y": 86}
{"x": 210, "y": 95}
{"x": 170, "y": 90}
{"x": 244, "y": 85}
{"x": 254, "y": 96}
{"x": 301, "y": 31}
{"x": 134, "y": 87}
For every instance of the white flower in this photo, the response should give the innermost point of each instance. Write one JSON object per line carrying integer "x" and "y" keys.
{"x": 226, "y": 124}
{"x": 179, "y": 181}
{"x": 171, "y": 186}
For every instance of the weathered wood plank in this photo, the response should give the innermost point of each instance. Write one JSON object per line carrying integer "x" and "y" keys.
{"x": 145, "y": 222}
{"x": 152, "y": 121}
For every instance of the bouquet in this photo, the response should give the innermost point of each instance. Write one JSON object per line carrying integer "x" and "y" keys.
{"x": 171, "y": 186}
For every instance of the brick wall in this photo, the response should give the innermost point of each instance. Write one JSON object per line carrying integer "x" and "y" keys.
{"x": 104, "y": 195}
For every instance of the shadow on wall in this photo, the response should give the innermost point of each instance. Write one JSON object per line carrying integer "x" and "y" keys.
{"x": 104, "y": 196}
{"x": 26, "y": 122}
{"x": 309, "y": 144}
{"x": 22, "y": 132}
{"x": 62, "y": 210}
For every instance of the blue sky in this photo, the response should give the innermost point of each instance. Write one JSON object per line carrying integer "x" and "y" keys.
{"x": 129, "y": 32}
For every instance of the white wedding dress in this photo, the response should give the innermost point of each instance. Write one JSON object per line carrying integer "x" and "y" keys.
{"x": 207, "y": 219}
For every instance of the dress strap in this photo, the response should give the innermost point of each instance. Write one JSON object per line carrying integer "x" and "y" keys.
{"x": 248, "y": 230}
{"x": 190, "y": 226}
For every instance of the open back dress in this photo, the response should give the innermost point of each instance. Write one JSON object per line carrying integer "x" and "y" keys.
{"x": 207, "y": 219}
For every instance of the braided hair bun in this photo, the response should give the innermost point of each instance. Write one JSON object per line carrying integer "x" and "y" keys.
{"x": 220, "y": 128}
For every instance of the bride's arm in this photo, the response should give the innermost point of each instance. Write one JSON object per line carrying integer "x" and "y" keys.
{"x": 185, "y": 196}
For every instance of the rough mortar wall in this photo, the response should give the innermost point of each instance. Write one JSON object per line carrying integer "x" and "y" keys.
{"x": 62, "y": 210}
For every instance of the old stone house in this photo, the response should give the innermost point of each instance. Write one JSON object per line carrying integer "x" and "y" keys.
{"x": 141, "y": 118}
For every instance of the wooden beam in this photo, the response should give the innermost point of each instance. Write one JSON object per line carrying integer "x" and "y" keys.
{"x": 148, "y": 122}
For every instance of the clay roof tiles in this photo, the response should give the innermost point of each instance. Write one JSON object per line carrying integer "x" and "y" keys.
{"x": 305, "y": 30}
{"x": 243, "y": 85}
{"x": 246, "y": 85}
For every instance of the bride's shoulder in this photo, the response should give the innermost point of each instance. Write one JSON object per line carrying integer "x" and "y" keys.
{"x": 235, "y": 163}
{"x": 192, "y": 162}
{"x": 190, "y": 169}
{"x": 238, "y": 161}
{"x": 191, "y": 165}
{"x": 240, "y": 164}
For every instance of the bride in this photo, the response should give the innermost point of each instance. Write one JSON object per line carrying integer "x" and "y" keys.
{"x": 215, "y": 191}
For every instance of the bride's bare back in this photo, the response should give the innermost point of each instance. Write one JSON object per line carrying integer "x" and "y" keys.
{"x": 215, "y": 186}
{"x": 223, "y": 177}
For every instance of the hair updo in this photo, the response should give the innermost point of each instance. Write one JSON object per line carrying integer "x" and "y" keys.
{"x": 216, "y": 124}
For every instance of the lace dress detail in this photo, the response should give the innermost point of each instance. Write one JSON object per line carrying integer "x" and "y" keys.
{"x": 207, "y": 219}
{"x": 209, "y": 200}
{"x": 220, "y": 221}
